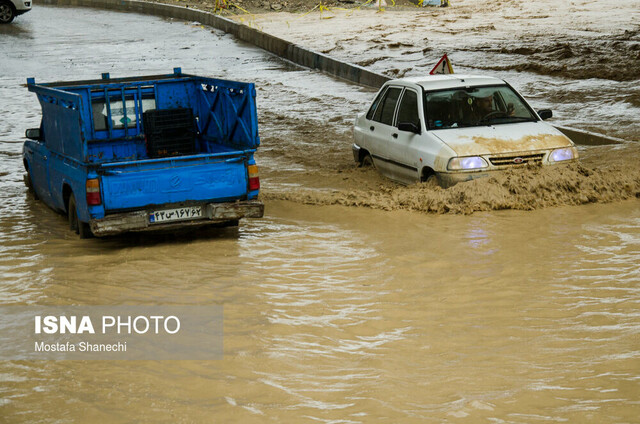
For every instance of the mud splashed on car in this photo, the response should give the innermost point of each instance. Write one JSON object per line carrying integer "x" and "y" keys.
{"x": 529, "y": 143}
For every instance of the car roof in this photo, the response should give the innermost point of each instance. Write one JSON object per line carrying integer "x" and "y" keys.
{"x": 438, "y": 82}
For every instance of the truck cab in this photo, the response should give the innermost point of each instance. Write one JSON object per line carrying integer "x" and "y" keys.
{"x": 145, "y": 153}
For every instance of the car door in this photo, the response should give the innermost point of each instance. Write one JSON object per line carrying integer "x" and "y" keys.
{"x": 404, "y": 144}
{"x": 380, "y": 129}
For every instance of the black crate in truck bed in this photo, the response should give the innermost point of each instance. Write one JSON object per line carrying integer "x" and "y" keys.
{"x": 170, "y": 132}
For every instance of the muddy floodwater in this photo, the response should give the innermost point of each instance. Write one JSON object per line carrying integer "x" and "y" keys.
{"x": 354, "y": 300}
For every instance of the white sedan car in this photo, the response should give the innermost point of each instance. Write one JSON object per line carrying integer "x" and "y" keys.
{"x": 453, "y": 128}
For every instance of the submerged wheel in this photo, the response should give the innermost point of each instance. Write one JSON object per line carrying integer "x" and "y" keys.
{"x": 432, "y": 181}
{"x": 84, "y": 230}
{"x": 72, "y": 214}
{"x": 6, "y": 12}
{"x": 81, "y": 228}
{"x": 29, "y": 183}
{"x": 367, "y": 160}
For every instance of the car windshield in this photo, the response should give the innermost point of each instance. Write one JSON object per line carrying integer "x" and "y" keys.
{"x": 475, "y": 106}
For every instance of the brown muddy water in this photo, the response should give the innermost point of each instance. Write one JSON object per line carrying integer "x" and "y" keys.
{"x": 377, "y": 312}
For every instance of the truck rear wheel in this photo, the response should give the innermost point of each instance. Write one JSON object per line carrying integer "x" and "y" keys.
{"x": 81, "y": 228}
{"x": 29, "y": 183}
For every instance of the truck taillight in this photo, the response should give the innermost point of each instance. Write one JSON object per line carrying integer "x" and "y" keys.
{"x": 254, "y": 180}
{"x": 93, "y": 192}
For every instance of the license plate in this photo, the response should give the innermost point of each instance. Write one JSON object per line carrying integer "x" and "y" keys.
{"x": 178, "y": 214}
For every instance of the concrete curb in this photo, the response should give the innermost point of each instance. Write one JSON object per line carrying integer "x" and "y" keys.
{"x": 285, "y": 49}
{"x": 588, "y": 138}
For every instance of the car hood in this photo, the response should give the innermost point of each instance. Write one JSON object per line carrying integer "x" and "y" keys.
{"x": 505, "y": 138}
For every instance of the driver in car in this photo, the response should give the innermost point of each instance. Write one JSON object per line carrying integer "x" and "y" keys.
{"x": 482, "y": 106}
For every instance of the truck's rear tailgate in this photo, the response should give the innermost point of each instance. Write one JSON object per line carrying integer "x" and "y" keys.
{"x": 207, "y": 177}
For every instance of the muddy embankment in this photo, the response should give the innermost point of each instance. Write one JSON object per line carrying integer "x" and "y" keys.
{"x": 575, "y": 40}
{"x": 615, "y": 58}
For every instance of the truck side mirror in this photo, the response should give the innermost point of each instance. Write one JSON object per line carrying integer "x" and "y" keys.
{"x": 33, "y": 134}
{"x": 410, "y": 127}
{"x": 545, "y": 114}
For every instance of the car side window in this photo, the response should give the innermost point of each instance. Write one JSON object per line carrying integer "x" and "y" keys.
{"x": 374, "y": 105}
{"x": 384, "y": 113}
{"x": 408, "y": 111}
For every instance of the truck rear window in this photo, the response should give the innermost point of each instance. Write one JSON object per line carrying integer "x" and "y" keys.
{"x": 119, "y": 116}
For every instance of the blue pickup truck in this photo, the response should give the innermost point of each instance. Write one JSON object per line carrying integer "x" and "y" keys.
{"x": 145, "y": 153}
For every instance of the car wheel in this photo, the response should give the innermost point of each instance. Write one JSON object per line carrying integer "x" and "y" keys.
{"x": 367, "y": 161}
{"x": 81, "y": 228}
{"x": 432, "y": 181}
{"x": 6, "y": 13}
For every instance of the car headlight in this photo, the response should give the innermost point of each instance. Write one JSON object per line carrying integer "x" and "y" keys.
{"x": 471, "y": 162}
{"x": 566, "y": 153}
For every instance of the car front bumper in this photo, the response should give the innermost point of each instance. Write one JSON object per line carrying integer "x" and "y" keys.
{"x": 213, "y": 213}
{"x": 451, "y": 178}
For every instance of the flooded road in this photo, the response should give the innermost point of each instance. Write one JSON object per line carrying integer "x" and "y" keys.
{"x": 332, "y": 314}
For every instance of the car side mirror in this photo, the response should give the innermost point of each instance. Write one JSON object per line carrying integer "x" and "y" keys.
{"x": 409, "y": 127}
{"x": 33, "y": 134}
{"x": 545, "y": 114}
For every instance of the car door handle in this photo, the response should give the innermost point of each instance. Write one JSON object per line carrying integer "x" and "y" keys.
{"x": 394, "y": 135}
{"x": 372, "y": 128}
